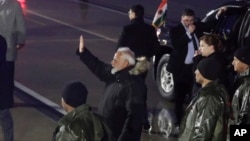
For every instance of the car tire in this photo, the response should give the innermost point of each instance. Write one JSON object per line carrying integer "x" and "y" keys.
{"x": 164, "y": 79}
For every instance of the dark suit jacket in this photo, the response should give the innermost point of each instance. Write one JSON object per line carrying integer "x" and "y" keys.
{"x": 140, "y": 38}
{"x": 180, "y": 42}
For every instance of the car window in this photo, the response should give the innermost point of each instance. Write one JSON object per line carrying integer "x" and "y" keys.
{"x": 229, "y": 23}
{"x": 227, "y": 27}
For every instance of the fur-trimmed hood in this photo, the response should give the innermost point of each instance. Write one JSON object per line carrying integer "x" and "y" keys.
{"x": 142, "y": 65}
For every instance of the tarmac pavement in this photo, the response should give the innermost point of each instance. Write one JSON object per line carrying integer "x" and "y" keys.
{"x": 32, "y": 125}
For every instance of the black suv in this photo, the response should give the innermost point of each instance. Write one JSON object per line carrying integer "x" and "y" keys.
{"x": 233, "y": 27}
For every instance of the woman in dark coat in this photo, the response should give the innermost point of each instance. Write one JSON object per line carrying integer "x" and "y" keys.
{"x": 211, "y": 47}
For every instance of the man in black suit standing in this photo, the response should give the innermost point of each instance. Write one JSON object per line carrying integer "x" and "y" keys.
{"x": 184, "y": 38}
{"x": 141, "y": 38}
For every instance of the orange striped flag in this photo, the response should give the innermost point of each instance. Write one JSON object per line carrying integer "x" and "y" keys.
{"x": 160, "y": 14}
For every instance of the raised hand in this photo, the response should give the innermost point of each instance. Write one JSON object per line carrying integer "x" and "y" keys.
{"x": 221, "y": 11}
{"x": 81, "y": 44}
{"x": 191, "y": 28}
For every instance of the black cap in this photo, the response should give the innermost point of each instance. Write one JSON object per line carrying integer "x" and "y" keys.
{"x": 209, "y": 68}
{"x": 75, "y": 94}
{"x": 243, "y": 54}
{"x": 3, "y": 48}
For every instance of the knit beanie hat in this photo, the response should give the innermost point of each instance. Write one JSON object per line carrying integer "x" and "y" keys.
{"x": 243, "y": 54}
{"x": 3, "y": 48}
{"x": 75, "y": 94}
{"x": 209, "y": 68}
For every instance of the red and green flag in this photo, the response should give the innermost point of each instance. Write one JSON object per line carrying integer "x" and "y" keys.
{"x": 160, "y": 14}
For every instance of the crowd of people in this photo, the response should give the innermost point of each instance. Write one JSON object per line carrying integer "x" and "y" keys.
{"x": 201, "y": 71}
{"x": 197, "y": 63}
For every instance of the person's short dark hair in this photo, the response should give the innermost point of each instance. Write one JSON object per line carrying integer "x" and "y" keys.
{"x": 75, "y": 94}
{"x": 139, "y": 10}
{"x": 3, "y": 48}
{"x": 188, "y": 12}
{"x": 213, "y": 39}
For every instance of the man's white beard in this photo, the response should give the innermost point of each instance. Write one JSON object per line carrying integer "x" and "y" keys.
{"x": 114, "y": 70}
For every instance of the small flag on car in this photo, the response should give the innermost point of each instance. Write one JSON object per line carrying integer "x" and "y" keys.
{"x": 160, "y": 14}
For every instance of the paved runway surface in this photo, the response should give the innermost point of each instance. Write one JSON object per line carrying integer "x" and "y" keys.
{"x": 49, "y": 60}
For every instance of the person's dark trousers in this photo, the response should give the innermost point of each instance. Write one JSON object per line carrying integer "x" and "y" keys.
{"x": 146, "y": 124}
{"x": 183, "y": 83}
{"x": 6, "y": 123}
{"x": 6, "y": 98}
{"x": 6, "y": 84}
